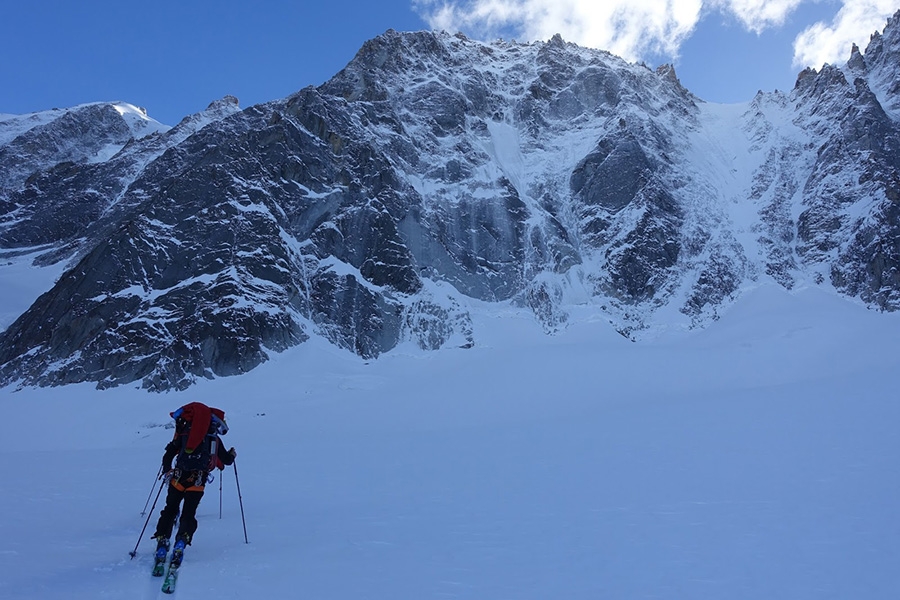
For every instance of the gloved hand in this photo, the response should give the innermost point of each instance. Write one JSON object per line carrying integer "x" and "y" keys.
{"x": 163, "y": 472}
{"x": 233, "y": 453}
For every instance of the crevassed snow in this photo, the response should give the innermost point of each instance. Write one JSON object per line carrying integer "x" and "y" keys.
{"x": 750, "y": 460}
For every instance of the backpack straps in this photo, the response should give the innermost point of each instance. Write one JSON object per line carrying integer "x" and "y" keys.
{"x": 213, "y": 453}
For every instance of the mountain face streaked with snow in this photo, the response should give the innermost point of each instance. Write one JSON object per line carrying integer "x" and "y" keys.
{"x": 432, "y": 174}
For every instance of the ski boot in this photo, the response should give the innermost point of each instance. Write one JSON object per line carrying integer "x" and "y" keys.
{"x": 162, "y": 550}
{"x": 178, "y": 551}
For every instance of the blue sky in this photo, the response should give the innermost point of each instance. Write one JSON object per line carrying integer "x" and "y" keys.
{"x": 173, "y": 58}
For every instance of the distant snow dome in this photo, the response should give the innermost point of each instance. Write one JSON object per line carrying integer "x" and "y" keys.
{"x": 138, "y": 120}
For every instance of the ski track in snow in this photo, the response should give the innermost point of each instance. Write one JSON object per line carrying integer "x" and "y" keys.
{"x": 750, "y": 460}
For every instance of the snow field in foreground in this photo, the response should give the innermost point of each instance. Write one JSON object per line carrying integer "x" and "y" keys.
{"x": 755, "y": 459}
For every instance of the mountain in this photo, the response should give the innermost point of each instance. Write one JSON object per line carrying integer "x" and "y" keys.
{"x": 433, "y": 174}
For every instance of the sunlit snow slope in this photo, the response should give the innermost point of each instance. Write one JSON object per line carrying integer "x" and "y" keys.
{"x": 754, "y": 459}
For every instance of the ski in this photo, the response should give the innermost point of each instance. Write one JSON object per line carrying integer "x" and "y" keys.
{"x": 168, "y": 586}
{"x": 159, "y": 567}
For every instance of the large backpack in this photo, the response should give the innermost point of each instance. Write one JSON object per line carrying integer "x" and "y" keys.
{"x": 198, "y": 427}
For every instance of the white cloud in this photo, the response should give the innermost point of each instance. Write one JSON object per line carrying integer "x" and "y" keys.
{"x": 628, "y": 28}
{"x": 636, "y": 29}
{"x": 854, "y": 23}
{"x": 758, "y": 15}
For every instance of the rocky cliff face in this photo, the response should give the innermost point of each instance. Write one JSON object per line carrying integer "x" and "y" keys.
{"x": 432, "y": 173}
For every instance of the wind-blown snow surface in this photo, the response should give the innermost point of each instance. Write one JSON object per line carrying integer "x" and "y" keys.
{"x": 754, "y": 459}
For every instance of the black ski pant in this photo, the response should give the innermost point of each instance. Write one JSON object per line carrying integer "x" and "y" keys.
{"x": 187, "y": 525}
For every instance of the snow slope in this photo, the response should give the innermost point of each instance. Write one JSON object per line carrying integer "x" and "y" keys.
{"x": 754, "y": 459}
{"x": 12, "y": 126}
{"x": 22, "y": 283}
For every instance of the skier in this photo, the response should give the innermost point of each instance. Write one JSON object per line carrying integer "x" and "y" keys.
{"x": 199, "y": 450}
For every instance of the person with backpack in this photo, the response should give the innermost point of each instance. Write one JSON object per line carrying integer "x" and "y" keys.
{"x": 197, "y": 450}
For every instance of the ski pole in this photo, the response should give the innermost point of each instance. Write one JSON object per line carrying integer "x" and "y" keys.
{"x": 133, "y": 553}
{"x": 147, "y": 503}
{"x": 240, "y": 500}
{"x": 221, "y": 477}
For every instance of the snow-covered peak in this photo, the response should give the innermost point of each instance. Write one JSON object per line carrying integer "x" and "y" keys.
{"x": 397, "y": 62}
{"x": 882, "y": 60}
{"x": 136, "y": 117}
{"x": 84, "y": 134}
{"x": 216, "y": 111}
{"x": 12, "y": 126}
